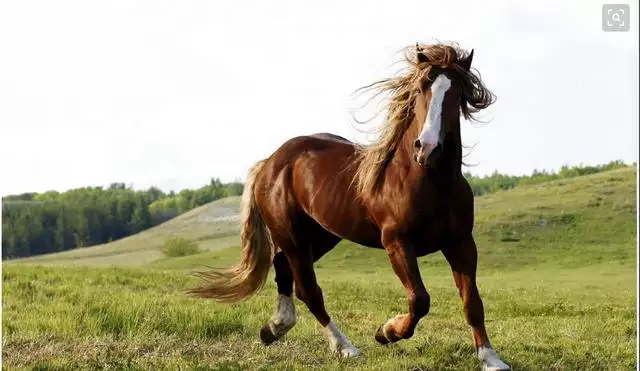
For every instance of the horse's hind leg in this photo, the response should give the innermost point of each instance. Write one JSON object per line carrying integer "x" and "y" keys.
{"x": 308, "y": 291}
{"x": 284, "y": 316}
{"x": 310, "y": 244}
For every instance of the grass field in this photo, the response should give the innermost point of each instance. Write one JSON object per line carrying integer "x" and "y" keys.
{"x": 557, "y": 273}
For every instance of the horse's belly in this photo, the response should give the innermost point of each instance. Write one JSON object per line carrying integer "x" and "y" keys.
{"x": 348, "y": 224}
{"x": 340, "y": 213}
{"x": 322, "y": 182}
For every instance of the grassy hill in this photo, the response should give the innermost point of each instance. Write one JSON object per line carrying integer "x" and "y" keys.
{"x": 557, "y": 265}
{"x": 569, "y": 219}
{"x": 213, "y": 226}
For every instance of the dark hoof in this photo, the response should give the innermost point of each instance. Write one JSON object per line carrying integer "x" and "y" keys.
{"x": 380, "y": 338}
{"x": 266, "y": 335}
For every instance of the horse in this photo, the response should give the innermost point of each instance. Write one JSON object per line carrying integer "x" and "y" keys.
{"x": 405, "y": 193}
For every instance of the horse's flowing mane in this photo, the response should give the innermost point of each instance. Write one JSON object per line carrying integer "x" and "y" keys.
{"x": 402, "y": 91}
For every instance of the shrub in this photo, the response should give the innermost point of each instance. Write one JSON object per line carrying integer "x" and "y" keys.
{"x": 179, "y": 246}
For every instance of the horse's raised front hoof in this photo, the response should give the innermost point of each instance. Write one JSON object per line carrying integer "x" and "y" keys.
{"x": 266, "y": 335}
{"x": 380, "y": 338}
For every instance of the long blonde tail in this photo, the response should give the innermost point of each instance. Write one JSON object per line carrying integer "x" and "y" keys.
{"x": 247, "y": 277}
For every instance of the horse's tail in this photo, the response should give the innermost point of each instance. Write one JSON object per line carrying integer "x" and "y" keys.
{"x": 245, "y": 278}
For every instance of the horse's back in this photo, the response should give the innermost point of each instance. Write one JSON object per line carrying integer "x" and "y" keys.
{"x": 320, "y": 142}
{"x": 334, "y": 137}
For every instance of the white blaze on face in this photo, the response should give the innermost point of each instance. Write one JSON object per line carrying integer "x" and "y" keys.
{"x": 430, "y": 134}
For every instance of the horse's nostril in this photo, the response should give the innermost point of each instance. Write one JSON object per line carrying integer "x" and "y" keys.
{"x": 417, "y": 144}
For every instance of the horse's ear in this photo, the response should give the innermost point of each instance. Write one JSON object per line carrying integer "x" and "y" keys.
{"x": 466, "y": 62}
{"x": 421, "y": 57}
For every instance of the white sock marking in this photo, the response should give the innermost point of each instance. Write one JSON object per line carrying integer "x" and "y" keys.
{"x": 284, "y": 317}
{"x": 430, "y": 134}
{"x": 490, "y": 360}
{"x": 338, "y": 342}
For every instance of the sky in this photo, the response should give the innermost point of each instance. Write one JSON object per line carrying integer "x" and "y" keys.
{"x": 173, "y": 93}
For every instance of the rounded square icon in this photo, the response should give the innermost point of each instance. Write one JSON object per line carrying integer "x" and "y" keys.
{"x": 615, "y": 17}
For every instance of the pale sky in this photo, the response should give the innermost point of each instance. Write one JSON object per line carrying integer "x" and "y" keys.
{"x": 172, "y": 93}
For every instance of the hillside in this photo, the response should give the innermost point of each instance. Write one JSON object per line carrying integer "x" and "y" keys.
{"x": 557, "y": 268}
{"x": 213, "y": 226}
{"x": 44, "y": 223}
{"x": 572, "y": 220}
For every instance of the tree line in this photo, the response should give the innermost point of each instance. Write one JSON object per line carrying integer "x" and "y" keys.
{"x": 40, "y": 223}
{"x": 496, "y": 181}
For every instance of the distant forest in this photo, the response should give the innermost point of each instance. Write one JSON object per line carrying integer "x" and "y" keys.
{"x": 41, "y": 223}
{"x": 496, "y": 181}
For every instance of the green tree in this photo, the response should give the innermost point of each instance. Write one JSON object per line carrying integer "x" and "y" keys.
{"x": 61, "y": 232}
{"x": 141, "y": 218}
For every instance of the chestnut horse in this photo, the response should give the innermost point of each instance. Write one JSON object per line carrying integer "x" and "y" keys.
{"x": 405, "y": 194}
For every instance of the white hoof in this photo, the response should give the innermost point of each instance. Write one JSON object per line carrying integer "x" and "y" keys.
{"x": 350, "y": 352}
{"x": 497, "y": 366}
{"x": 490, "y": 360}
{"x": 339, "y": 343}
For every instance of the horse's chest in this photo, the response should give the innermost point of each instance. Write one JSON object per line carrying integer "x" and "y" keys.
{"x": 432, "y": 230}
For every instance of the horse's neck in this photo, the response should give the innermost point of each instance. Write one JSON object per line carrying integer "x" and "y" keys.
{"x": 450, "y": 160}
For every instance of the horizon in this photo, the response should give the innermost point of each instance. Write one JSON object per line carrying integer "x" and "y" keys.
{"x": 150, "y": 94}
{"x": 177, "y": 191}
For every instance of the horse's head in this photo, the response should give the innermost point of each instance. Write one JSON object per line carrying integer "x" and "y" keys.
{"x": 423, "y": 110}
{"x": 445, "y": 87}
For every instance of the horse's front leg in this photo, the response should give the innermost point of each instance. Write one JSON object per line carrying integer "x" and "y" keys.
{"x": 463, "y": 258}
{"x": 405, "y": 264}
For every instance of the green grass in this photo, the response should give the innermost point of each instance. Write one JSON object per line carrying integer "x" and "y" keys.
{"x": 556, "y": 272}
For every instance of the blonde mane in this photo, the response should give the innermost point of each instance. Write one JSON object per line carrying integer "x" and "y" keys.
{"x": 402, "y": 91}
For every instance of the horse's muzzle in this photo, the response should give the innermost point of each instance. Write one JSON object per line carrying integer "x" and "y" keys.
{"x": 425, "y": 154}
